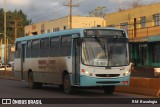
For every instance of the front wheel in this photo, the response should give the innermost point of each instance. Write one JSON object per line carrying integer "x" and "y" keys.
{"x": 109, "y": 89}
{"x": 68, "y": 89}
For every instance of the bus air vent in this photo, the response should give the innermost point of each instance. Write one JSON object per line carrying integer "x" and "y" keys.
{"x": 108, "y": 82}
{"x": 107, "y": 75}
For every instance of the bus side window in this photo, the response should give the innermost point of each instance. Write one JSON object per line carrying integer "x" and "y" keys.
{"x": 35, "y": 44}
{"x": 35, "y": 48}
{"x": 44, "y": 43}
{"x": 18, "y": 50}
{"x": 44, "y": 47}
{"x": 28, "y": 52}
{"x": 54, "y": 46}
{"x": 66, "y": 45}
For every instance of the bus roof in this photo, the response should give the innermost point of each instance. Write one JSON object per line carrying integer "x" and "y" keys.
{"x": 54, "y": 34}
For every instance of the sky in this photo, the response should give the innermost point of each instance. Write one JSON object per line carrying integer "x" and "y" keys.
{"x": 41, "y": 10}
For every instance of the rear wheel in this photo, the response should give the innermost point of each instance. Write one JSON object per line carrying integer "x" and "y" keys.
{"x": 61, "y": 87}
{"x": 31, "y": 82}
{"x": 109, "y": 89}
{"x": 68, "y": 89}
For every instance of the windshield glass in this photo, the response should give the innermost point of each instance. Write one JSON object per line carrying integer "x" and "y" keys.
{"x": 104, "y": 52}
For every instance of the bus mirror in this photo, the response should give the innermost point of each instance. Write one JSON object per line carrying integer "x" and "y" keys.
{"x": 79, "y": 40}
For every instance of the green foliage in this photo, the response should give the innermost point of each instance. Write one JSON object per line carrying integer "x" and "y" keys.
{"x": 11, "y": 17}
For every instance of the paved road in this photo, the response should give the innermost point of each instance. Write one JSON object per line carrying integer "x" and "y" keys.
{"x": 20, "y": 89}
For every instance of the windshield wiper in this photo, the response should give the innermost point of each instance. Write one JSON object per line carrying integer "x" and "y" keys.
{"x": 101, "y": 44}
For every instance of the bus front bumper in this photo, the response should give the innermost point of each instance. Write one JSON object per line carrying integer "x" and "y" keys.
{"x": 93, "y": 81}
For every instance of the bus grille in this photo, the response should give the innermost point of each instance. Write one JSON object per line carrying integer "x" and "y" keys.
{"x": 108, "y": 82}
{"x": 107, "y": 75}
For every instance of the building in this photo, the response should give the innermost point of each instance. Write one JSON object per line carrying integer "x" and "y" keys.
{"x": 143, "y": 26}
{"x": 63, "y": 24}
{"x": 140, "y": 22}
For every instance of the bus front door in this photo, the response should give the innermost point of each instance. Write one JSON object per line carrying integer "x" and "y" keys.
{"x": 22, "y": 60}
{"x": 76, "y": 61}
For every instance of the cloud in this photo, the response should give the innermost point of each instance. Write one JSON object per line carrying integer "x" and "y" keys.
{"x": 18, "y": 2}
{"x": 121, "y": 1}
{"x": 41, "y": 10}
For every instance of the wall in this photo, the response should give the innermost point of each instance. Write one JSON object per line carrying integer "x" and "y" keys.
{"x": 130, "y": 14}
{"x": 63, "y": 24}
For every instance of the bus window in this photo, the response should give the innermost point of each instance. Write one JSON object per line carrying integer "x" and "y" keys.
{"x": 18, "y": 46}
{"x": 29, "y": 45}
{"x": 45, "y": 43}
{"x": 35, "y": 48}
{"x": 54, "y": 46}
{"x": 28, "y": 53}
{"x": 66, "y": 46}
{"x": 35, "y": 44}
{"x": 44, "y": 47}
{"x": 18, "y": 50}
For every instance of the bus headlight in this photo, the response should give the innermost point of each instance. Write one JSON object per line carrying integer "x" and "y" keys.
{"x": 126, "y": 73}
{"x": 88, "y": 74}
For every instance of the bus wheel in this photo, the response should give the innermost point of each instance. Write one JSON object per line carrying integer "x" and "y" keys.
{"x": 31, "y": 82}
{"x": 109, "y": 89}
{"x": 61, "y": 87}
{"x": 66, "y": 84}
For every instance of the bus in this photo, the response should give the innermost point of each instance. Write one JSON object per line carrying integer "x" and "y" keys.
{"x": 82, "y": 57}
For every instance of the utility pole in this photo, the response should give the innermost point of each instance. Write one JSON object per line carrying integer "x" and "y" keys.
{"x": 16, "y": 27}
{"x": 5, "y": 50}
{"x": 70, "y": 16}
{"x": 1, "y": 50}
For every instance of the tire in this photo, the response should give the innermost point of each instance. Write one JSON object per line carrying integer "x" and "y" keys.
{"x": 61, "y": 87}
{"x": 31, "y": 82}
{"x": 68, "y": 89}
{"x": 109, "y": 89}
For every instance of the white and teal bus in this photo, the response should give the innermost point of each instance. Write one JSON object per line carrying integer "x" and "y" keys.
{"x": 74, "y": 58}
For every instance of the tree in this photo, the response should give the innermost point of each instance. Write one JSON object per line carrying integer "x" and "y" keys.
{"x": 136, "y": 3}
{"x": 1, "y": 21}
{"x": 11, "y": 16}
{"x": 98, "y": 12}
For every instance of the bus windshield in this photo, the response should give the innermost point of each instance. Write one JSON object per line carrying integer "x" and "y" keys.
{"x": 103, "y": 51}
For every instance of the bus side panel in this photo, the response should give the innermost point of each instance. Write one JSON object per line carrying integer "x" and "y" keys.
{"x": 17, "y": 68}
{"x": 32, "y": 65}
{"x": 26, "y": 69}
{"x": 65, "y": 64}
{"x": 56, "y": 66}
{"x": 51, "y": 74}
{"x": 47, "y": 70}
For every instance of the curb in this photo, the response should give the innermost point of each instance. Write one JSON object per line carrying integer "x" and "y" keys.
{"x": 7, "y": 75}
{"x": 145, "y": 86}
